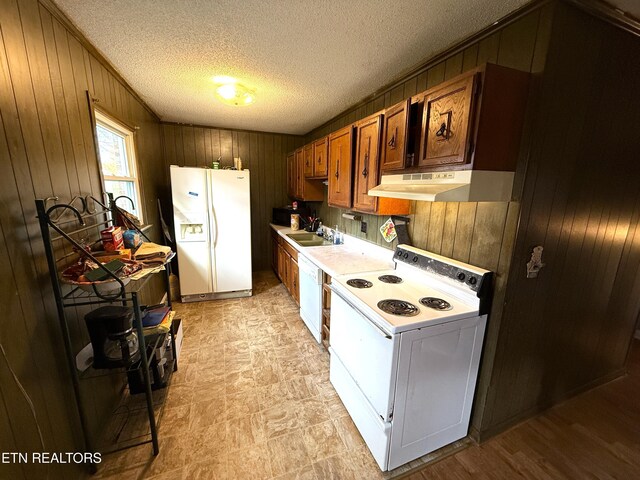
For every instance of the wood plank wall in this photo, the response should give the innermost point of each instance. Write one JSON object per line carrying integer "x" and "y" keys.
{"x": 482, "y": 234}
{"x": 47, "y": 148}
{"x": 571, "y": 328}
{"x": 264, "y": 154}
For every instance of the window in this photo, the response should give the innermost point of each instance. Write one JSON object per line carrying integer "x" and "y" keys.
{"x": 118, "y": 162}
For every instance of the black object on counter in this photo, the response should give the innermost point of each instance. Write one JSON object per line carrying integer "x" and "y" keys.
{"x": 401, "y": 230}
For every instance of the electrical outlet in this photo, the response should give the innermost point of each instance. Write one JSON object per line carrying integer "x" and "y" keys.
{"x": 363, "y": 227}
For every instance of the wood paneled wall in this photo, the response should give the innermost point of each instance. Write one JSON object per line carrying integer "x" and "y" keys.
{"x": 263, "y": 154}
{"x": 571, "y": 328}
{"x": 47, "y": 148}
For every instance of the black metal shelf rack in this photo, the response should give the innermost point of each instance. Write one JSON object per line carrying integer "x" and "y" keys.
{"x": 69, "y": 244}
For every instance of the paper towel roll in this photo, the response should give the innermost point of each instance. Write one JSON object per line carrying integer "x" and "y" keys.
{"x": 84, "y": 359}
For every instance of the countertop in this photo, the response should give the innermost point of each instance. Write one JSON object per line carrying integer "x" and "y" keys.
{"x": 353, "y": 256}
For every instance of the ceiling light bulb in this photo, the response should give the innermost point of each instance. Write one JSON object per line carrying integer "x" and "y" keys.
{"x": 235, "y": 94}
{"x": 228, "y": 91}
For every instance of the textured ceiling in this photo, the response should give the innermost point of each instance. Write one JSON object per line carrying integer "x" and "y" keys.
{"x": 630, "y": 7}
{"x": 308, "y": 60}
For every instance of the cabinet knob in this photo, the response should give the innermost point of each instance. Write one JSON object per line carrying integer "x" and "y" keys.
{"x": 319, "y": 160}
{"x": 337, "y": 168}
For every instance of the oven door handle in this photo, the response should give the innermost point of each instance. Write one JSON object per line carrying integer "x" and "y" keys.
{"x": 378, "y": 328}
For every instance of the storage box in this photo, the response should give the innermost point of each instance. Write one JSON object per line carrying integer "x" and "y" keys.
{"x": 112, "y": 239}
{"x": 177, "y": 335}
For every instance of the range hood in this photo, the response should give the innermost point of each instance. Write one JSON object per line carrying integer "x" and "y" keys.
{"x": 451, "y": 186}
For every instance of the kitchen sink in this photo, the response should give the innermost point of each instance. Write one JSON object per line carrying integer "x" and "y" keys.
{"x": 308, "y": 239}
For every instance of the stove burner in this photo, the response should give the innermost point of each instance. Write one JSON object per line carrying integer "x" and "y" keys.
{"x": 398, "y": 307}
{"x": 435, "y": 303}
{"x": 359, "y": 283}
{"x": 390, "y": 279}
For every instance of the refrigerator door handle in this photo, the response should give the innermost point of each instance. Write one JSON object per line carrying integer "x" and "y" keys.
{"x": 212, "y": 226}
{"x": 215, "y": 224}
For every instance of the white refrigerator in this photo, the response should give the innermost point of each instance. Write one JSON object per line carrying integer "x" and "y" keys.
{"x": 212, "y": 223}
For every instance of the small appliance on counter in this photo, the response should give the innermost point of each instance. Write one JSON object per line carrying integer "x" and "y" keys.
{"x": 114, "y": 342}
{"x": 282, "y": 215}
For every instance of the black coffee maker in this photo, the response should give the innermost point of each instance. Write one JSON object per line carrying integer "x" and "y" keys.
{"x": 114, "y": 342}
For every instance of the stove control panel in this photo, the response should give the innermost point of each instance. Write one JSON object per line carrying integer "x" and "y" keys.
{"x": 471, "y": 280}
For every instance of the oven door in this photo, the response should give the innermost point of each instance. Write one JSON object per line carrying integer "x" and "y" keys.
{"x": 368, "y": 354}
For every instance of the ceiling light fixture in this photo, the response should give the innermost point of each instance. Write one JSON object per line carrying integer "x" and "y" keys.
{"x": 230, "y": 92}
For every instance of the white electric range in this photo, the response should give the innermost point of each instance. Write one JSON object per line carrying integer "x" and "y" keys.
{"x": 405, "y": 349}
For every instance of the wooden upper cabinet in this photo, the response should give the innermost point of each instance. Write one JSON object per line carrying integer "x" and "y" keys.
{"x": 394, "y": 139}
{"x": 367, "y": 172}
{"x": 299, "y": 172}
{"x": 340, "y": 167}
{"x": 448, "y": 112}
{"x": 292, "y": 179}
{"x": 320, "y": 157}
{"x": 368, "y": 133}
{"x": 297, "y": 184}
{"x": 308, "y": 160}
{"x": 474, "y": 121}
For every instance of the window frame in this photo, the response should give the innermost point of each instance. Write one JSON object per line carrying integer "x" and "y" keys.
{"x": 105, "y": 120}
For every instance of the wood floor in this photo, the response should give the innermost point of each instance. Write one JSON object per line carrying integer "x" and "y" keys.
{"x": 595, "y": 435}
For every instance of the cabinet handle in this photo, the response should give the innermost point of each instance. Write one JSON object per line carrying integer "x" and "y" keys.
{"x": 365, "y": 171}
{"x": 337, "y": 168}
{"x": 319, "y": 160}
{"x": 392, "y": 143}
{"x": 442, "y": 130}
{"x": 307, "y": 163}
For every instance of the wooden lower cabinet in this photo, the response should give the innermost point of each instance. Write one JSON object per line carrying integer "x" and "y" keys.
{"x": 294, "y": 280}
{"x": 274, "y": 251}
{"x": 326, "y": 309}
{"x": 285, "y": 265}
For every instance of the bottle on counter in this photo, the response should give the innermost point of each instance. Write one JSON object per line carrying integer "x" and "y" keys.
{"x": 295, "y": 221}
{"x": 320, "y": 230}
{"x": 337, "y": 236}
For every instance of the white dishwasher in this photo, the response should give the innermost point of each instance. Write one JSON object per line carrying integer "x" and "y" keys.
{"x": 310, "y": 296}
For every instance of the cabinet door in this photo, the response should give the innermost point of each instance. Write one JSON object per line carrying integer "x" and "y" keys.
{"x": 286, "y": 276}
{"x": 320, "y": 154}
{"x": 294, "y": 280}
{"x": 274, "y": 251}
{"x": 394, "y": 141}
{"x": 446, "y": 124}
{"x": 299, "y": 173}
{"x": 291, "y": 175}
{"x": 308, "y": 160}
{"x": 367, "y": 155}
{"x": 340, "y": 163}
{"x": 281, "y": 268}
